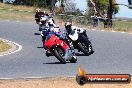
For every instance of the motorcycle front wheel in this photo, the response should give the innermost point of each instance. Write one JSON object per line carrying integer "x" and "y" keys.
{"x": 58, "y": 53}
{"x": 84, "y": 45}
{"x": 74, "y": 59}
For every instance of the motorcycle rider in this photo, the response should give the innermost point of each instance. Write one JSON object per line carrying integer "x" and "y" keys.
{"x": 38, "y": 16}
{"x": 46, "y": 21}
{"x": 71, "y": 29}
{"x": 45, "y": 13}
{"x": 48, "y": 27}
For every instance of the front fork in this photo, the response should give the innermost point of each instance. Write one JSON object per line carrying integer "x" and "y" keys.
{"x": 69, "y": 54}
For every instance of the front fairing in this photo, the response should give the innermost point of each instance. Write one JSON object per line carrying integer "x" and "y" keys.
{"x": 45, "y": 31}
{"x": 50, "y": 40}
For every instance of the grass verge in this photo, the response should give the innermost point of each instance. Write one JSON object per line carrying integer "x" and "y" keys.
{"x": 4, "y": 46}
{"x": 17, "y": 12}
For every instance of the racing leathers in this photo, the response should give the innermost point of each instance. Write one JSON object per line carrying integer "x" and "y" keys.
{"x": 73, "y": 29}
{"x": 46, "y": 22}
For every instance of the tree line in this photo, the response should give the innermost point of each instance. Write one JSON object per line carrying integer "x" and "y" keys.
{"x": 103, "y": 7}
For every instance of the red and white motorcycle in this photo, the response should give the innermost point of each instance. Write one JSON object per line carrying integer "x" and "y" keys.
{"x": 58, "y": 48}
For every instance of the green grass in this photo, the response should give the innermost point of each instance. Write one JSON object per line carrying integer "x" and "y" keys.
{"x": 17, "y": 7}
{"x": 4, "y": 46}
{"x": 15, "y": 14}
{"x": 123, "y": 26}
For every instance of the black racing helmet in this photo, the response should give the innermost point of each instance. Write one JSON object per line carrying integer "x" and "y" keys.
{"x": 43, "y": 20}
{"x": 68, "y": 26}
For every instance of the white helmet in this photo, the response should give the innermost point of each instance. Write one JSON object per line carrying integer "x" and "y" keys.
{"x": 38, "y": 10}
{"x": 43, "y": 20}
{"x": 50, "y": 22}
{"x": 68, "y": 26}
{"x": 44, "y": 12}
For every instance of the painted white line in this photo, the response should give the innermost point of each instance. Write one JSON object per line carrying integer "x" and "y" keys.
{"x": 102, "y": 30}
{"x": 19, "y": 48}
{"x": 123, "y": 32}
{"x": 86, "y": 28}
{"x": 21, "y": 78}
{"x": 113, "y": 31}
{"x": 6, "y": 78}
{"x": 93, "y": 29}
{"x": 7, "y": 20}
{"x": 17, "y": 21}
{"x": 30, "y": 77}
{"x": 33, "y": 77}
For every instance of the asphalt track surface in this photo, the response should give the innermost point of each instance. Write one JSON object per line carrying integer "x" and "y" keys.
{"x": 113, "y": 54}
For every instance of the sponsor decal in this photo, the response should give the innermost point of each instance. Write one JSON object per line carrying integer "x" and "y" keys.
{"x": 83, "y": 78}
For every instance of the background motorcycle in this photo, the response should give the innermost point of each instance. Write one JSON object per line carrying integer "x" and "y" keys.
{"x": 81, "y": 41}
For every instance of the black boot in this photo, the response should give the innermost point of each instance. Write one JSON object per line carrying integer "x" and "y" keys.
{"x": 48, "y": 53}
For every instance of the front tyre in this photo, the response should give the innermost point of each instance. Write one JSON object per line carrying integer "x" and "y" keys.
{"x": 81, "y": 80}
{"x": 91, "y": 51}
{"x": 74, "y": 59}
{"x": 58, "y": 53}
{"x": 84, "y": 45}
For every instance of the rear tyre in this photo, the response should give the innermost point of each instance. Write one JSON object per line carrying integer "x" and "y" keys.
{"x": 58, "y": 53}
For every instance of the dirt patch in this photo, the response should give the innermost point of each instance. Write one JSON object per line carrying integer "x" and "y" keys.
{"x": 59, "y": 82}
{"x": 12, "y": 48}
{"x": 4, "y": 46}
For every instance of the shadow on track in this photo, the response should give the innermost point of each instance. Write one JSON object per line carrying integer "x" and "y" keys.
{"x": 78, "y": 54}
{"x": 40, "y": 47}
{"x": 55, "y": 63}
{"x": 36, "y": 33}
